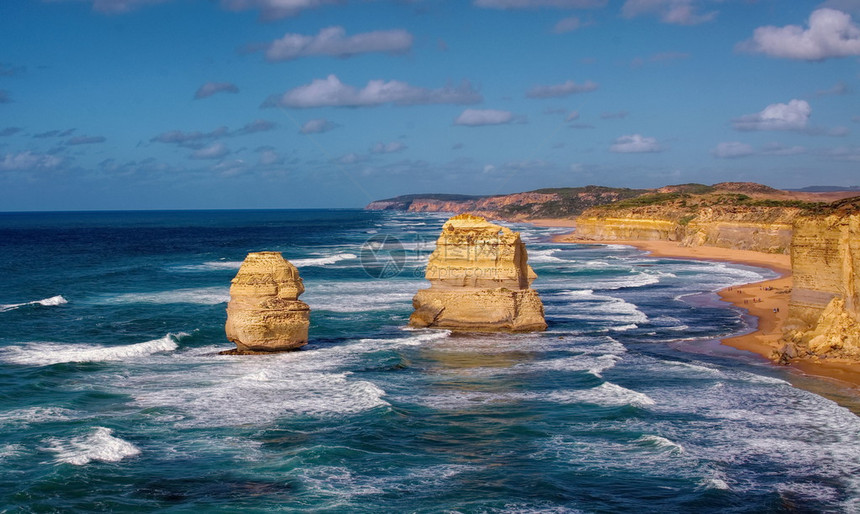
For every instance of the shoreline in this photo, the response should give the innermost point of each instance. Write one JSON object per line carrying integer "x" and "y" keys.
{"x": 765, "y": 300}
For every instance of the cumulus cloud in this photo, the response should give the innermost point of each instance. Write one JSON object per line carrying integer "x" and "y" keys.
{"x": 677, "y": 12}
{"x": 635, "y": 143}
{"x": 393, "y": 147}
{"x": 9, "y": 131}
{"x": 791, "y": 116}
{"x": 568, "y": 24}
{"x": 732, "y": 150}
{"x": 254, "y": 127}
{"x": 334, "y": 42}
{"x": 533, "y": 4}
{"x": 556, "y": 90}
{"x": 269, "y": 157}
{"x": 26, "y": 161}
{"x": 86, "y": 140}
{"x": 190, "y": 139}
{"x": 478, "y": 117}
{"x": 210, "y": 88}
{"x": 830, "y": 33}
{"x": 331, "y": 92}
{"x": 4, "y": 97}
{"x": 317, "y": 126}
{"x": 275, "y": 9}
{"x": 214, "y": 151}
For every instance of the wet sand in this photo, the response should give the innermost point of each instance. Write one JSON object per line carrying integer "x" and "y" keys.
{"x": 767, "y": 301}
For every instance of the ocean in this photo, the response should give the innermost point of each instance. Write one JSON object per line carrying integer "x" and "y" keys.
{"x": 114, "y": 397}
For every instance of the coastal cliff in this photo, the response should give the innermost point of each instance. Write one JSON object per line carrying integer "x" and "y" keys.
{"x": 824, "y": 310}
{"x": 729, "y": 215}
{"x": 480, "y": 280}
{"x": 542, "y": 203}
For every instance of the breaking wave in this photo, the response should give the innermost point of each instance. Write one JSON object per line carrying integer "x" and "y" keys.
{"x": 100, "y": 445}
{"x": 47, "y": 302}
{"x": 45, "y": 354}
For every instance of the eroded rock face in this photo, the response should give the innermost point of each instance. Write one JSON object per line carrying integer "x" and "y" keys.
{"x": 264, "y": 313}
{"x": 479, "y": 281}
{"x": 824, "y": 312}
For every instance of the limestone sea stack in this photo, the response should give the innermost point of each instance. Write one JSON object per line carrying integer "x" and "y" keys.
{"x": 264, "y": 313}
{"x": 479, "y": 281}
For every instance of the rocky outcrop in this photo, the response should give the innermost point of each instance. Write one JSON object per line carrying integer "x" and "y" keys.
{"x": 824, "y": 311}
{"x": 264, "y": 313}
{"x": 479, "y": 281}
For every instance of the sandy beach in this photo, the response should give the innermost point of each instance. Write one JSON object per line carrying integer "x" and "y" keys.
{"x": 766, "y": 300}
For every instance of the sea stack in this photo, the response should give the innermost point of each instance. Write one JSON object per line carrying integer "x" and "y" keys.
{"x": 479, "y": 281}
{"x": 264, "y": 314}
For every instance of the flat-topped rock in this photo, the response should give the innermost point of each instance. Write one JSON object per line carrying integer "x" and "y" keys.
{"x": 264, "y": 313}
{"x": 479, "y": 281}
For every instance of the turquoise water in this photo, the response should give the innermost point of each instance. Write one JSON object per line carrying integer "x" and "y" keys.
{"x": 114, "y": 398}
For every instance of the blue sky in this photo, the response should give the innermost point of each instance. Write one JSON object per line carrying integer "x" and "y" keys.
{"x": 173, "y": 104}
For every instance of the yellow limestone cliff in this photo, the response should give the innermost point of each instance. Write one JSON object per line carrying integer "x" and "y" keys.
{"x": 479, "y": 281}
{"x": 824, "y": 311}
{"x": 264, "y": 313}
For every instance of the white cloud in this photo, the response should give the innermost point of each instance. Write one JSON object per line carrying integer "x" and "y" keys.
{"x": 839, "y": 89}
{"x": 556, "y": 90}
{"x": 393, "y": 147}
{"x": 732, "y": 150}
{"x": 477, "y": 117}
{"x": 533, "y": 4}
{"x": 333, "y": 41}
{"x": 572, "y": 116}
{"x": 254, "y": 127}
{"x": 214, "y": 151}
{"x": 269, "y": 157}
{"x": 351, "y": 158}
{"x": 678, "y": 12}
{"x": 117, "y": 6}
{"x": 831, "y": 33}
{"x": 210, "y": 88}
{"x": 28, "y": 160}
{"x": 850, "y": 6}
{"x": 791, "y": 116}
{"x": 86, "y": 140}
{"x": 635, "y": 143}
{"x": 780, "y": 149}
{"x": 331, "y": 92}
{"x": 568, "y": 24}
{"x": 317, "y": 126}
{"x": 274, "y": 9}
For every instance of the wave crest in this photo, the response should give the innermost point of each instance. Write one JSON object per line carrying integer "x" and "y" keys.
{"x": 47, "y": 302}
{"x": 45, "y": 354}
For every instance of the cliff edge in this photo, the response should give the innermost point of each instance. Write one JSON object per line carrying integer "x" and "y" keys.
{"x": 824, "y": 310}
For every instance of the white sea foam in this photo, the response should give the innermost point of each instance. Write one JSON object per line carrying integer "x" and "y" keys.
{"x": 100, "y": 445}
{"x": 201, "y": 296}
{"x": 322, "y": 261}
{"x": 209, "y": 266}
{"x": 660, "y": 443}
{"x": 544, "y": 256}
{"x": 10, "y": 451}
{"x": 606, "y": 394}
{"x": 46, "y": 302}
{"x": 44, "y": 354}
{"x": 360, "y": 296}
{"x": 20, "y": 418}
{"x": 243, "y": 394}
{"x": 590, "y": 306}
